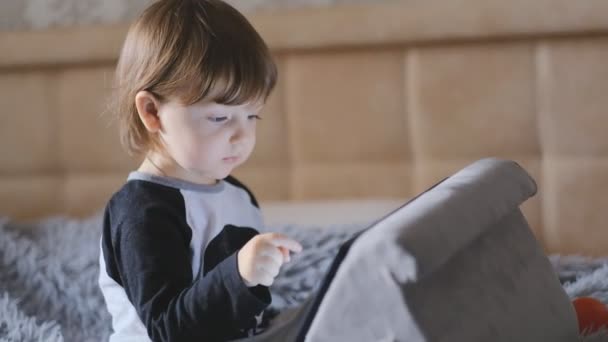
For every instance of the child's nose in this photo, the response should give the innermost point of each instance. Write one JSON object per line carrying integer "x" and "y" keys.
{"x": 237, "y": 133}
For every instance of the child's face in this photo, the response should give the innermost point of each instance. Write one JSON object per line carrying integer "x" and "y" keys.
{"x": 208, "y": 140}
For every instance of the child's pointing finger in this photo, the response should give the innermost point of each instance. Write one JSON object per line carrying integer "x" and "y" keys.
{"x": 280, "y": 240}
{"x": 285, "y": 252}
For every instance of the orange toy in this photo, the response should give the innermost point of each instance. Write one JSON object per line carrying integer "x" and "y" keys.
{"x": 591, "y": 313}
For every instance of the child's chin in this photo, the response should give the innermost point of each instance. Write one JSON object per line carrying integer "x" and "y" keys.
{"x": 222, "y": 175}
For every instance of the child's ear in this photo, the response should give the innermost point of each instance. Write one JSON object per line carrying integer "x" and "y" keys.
{"x": 147, "y": 107}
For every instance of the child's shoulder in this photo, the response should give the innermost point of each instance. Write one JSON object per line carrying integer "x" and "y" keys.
{"x": 242, "y": 187}
{"x": 145, "y": 210}
{"x": 139, "y": 191}
{"x": 136, "y": 198}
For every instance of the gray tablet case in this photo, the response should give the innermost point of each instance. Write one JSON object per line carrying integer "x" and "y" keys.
{"x": 457, "y": 263}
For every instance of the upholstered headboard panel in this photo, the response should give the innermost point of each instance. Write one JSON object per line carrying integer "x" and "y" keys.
{"x": 374, "y": 101}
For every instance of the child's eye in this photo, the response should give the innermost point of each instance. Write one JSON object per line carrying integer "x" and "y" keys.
{"x": 257, "y": 117}
{"x": 218, "y": 118}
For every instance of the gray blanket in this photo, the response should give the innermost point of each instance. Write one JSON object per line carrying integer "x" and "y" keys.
{"x": 48, "y": 277}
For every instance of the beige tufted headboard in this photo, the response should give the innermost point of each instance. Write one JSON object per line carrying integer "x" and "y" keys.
{"x": 374, "y": 101}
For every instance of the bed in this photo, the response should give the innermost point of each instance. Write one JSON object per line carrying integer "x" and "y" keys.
{"x": 374, "y": 104}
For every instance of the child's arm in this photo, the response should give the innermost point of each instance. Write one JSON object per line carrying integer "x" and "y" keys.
{"x": 155, "y": 269}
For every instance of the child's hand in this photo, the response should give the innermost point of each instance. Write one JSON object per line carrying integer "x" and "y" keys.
{"x": 262, "y": 257}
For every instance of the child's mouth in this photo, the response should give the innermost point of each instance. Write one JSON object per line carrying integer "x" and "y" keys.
{"x": 231, "y": 159}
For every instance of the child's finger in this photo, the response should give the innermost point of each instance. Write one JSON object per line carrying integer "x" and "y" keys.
{"x": 280, "y": 240}
{"x": 270, "y": 263}
{"x": 273, "y": 252}
{"x": 285, "y": 252}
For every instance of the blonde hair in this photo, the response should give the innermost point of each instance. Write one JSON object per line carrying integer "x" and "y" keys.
{"x": 192, "y": 50}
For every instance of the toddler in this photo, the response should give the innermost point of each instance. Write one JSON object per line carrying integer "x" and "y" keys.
{"x": 182, "y": 257}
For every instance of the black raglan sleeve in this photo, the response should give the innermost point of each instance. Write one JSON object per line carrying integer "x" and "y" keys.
{"x": 153, "y": 258}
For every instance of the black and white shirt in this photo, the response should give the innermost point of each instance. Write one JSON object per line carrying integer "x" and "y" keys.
{"x": 168, "y": 266}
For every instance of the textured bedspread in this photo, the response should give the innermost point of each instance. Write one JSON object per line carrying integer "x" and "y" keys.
{"x": 48, "y": 277}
